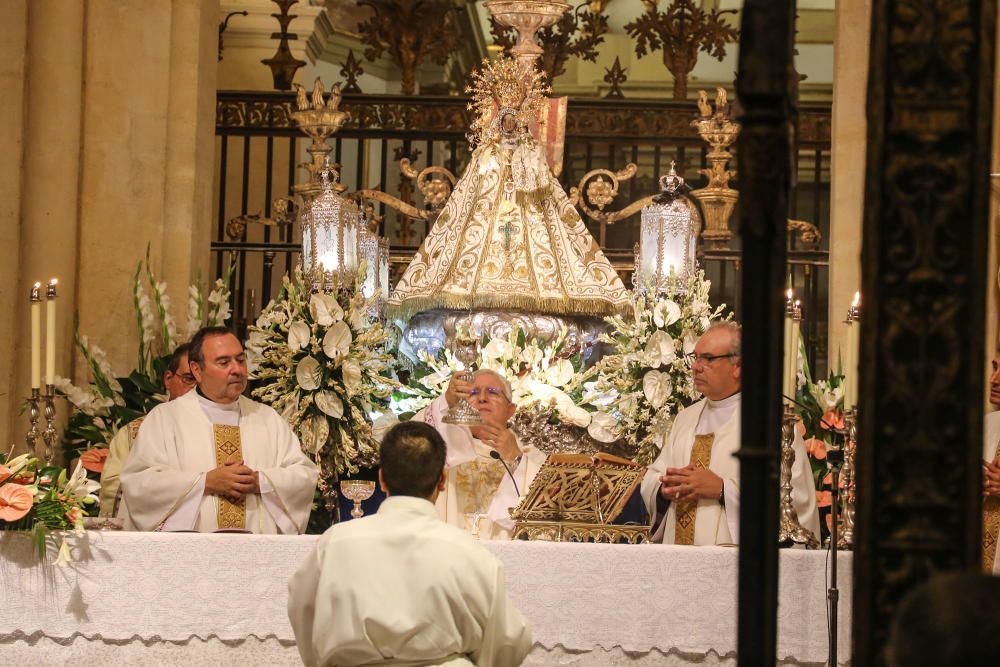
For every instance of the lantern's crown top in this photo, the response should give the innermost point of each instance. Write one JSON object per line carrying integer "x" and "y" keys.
{"x": 500, "y": 87}
{"x": 672, "y": 186}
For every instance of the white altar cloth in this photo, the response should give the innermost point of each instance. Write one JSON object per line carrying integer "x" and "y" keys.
{"x": 134, "y": 598}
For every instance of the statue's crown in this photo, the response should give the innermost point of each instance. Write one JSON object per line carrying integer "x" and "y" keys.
{"x": 504, "y": 84}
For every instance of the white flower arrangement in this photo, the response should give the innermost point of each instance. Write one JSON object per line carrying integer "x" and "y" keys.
{"x": 539, "y": 375}
{"x": 109, "y": 401}
{"x": 636, "y": 392}
{"x": 321, "y": 361}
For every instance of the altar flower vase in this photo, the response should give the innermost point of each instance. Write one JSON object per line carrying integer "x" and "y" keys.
{"x": 93, "y": 459}
{"x": 15, "y": 502}
{"x": 298, "y": 335}
{"x": 337, "y": 341}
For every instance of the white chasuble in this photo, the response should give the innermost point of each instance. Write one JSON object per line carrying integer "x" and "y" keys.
{"x": 164, "y": 477}
{"x": 991, "y": 506}
{"x": 479, "y": 493}
{"x": 715, "y": 523}
{"x": 401, "y": 587}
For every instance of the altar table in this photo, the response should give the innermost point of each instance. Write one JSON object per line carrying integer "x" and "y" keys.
{"x": 160, "y": 598}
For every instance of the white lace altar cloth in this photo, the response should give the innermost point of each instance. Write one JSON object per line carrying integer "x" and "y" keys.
{"x": 144, "y": 598}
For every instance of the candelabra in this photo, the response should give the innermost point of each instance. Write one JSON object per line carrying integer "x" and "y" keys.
{"x": 790, "y": 531}
{"x": 42, "y": 405}
{"x": 847, "y": 477}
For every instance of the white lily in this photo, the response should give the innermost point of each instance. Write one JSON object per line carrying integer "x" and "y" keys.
{"x": 65, "y": 557}
{"x": 78, "y": 486}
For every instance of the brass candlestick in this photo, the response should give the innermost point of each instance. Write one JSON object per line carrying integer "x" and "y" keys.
{"x": 790, "y": 531}
{"x": 846, "y": 540}
{"x": 42, "y": 405}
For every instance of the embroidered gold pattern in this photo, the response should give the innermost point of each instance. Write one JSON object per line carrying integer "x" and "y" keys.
{"x": 991, "y": 525}
{"x": 476, "y": 483}
{"x": 229, "y": 449}
{"x": 701, "y": 455}
{"x": 133, "y": 428}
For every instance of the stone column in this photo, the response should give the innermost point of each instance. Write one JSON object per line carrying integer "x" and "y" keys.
{"x": 103, "y": 163}
{"x": 12, "y": 65}
{"x": 847, "y": 169}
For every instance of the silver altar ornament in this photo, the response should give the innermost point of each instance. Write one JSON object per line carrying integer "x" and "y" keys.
{"x": 330, "y": 236}
{"x": 668, "y": 238}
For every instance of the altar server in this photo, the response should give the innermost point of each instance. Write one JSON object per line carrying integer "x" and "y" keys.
{"x": 402, "y": 587}
{"x": 479, "y": 491}
{"x": 177, "y": 380}
{"x": 214, "y": 459}
{"x": 692, "y": 489}
{"x": 991, "y": 474}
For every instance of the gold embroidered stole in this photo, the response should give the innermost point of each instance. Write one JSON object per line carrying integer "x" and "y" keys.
{"x": 991, "y": 525}
{"x": 701, "y": 455}
{"x": 133, "y": 429}
{"x": 476, "y": 483}
{"x": 229, "y": 449}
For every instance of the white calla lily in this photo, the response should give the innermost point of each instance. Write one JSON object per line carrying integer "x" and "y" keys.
{"x": 659, "y": 350}
{"x": 314, "y": 431}
{"x": 657, "y": 387}
{"x": 497, "y": 348}
{"x": 666, "y": 312}
{"x": 603, "y": 427}
{"x": 337, "y": 341}
{"x": 299, "y": 335}
{"x": 559, "y": 373}
{"x": 330, "y": 404}
{"x": 309, "y": 374}
{"x": 351, "y": 370}
{"x": 325, "y": 309}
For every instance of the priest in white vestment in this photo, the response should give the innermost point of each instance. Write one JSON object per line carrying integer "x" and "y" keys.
{"x": 214, "y": 459}
{"x": 480, "y": 492}
{"x": 692, "y": 490}
{"x": 402, "y": 587}
{"x": 177, "y": 380}
{"x": 991, "y": 475}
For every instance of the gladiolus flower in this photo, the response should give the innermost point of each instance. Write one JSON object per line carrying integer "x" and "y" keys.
{"x": 15, "y": 502}
{"x": 93, "y": 459}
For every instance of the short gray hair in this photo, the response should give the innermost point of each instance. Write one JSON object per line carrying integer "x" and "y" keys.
{"x": 735, "y": 335}
{"x": 507, "y": 392}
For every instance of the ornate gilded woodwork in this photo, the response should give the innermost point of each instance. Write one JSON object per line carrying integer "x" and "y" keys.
{"x": 923, "y": 281}
{"x": 410, "y": 31}
{"x": 681, "y": 32}
{"x": 600, "y": 119}
{"x": 576, "y": 34}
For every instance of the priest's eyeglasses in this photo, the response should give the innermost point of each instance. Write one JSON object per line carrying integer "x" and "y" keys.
{"x": 492, "y": 393}
{"x": 706, "y": 359}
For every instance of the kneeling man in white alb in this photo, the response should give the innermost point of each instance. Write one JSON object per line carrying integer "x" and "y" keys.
{"x": 403, "y": 587}
{"x": 214, "y": 459}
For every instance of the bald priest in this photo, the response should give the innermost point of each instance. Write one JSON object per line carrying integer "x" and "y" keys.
{"x": 214, "y": 459}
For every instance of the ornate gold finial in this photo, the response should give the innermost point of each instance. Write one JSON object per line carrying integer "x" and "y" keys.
{"x": 500, "y": 86}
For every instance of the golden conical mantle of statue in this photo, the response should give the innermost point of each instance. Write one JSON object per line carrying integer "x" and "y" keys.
{"x": 508, "y": 237}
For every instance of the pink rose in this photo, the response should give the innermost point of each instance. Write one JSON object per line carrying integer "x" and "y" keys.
{"x": 93, "y": 459}
{"x": 15, "y": 502}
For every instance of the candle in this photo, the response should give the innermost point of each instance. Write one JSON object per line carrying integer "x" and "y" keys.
{"x": 793, "y": 370}
{"x": 853, "y": 353}
{"x": 786, "y": 386}
{"x": 50, "y": 333}
{"x": 36, "y": 336}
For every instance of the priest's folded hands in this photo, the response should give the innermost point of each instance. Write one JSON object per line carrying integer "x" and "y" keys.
{"x": 690, "y": 483}
{"x": 233, "y": 481}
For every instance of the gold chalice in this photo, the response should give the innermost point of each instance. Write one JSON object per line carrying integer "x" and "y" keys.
{"x": 357, "y": 490}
